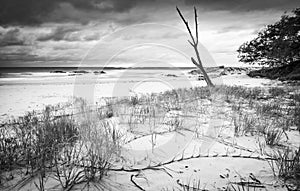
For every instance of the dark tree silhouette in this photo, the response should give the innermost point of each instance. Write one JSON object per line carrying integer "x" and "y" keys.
{"x": 277, "y": 45}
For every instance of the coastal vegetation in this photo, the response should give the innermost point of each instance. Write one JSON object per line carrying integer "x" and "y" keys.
{"x": 276, "y": 47}
{"x": 85, "y": 146}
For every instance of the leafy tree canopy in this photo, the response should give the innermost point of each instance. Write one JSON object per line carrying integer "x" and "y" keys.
{"x": 277, "y": 45}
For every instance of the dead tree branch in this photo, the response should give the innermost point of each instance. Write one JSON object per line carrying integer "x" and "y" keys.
{"x": 182, "y": 158}
{"x": 194, "y": 43}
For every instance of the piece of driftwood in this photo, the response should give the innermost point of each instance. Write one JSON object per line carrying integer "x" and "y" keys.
{"x": 194, "y": 43}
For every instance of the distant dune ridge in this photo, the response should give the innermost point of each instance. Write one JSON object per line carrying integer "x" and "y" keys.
{"x": 283, "y": 73}
{"x": 222, "y": 71}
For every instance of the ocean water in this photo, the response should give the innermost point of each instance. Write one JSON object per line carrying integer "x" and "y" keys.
{"x": 27, "y": 89}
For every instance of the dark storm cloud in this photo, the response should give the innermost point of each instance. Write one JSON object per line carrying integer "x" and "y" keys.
{"x": 245, "y": 5}
{"x": 34, "y": 30}
{"x": 25, "y": 11}
{"x": 31, "y": 12}
{"x": 58, "y": 34}
{"x": 11, "y": 37}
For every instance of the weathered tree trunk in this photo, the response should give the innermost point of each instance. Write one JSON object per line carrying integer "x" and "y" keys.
{"x": 194, "y": 44}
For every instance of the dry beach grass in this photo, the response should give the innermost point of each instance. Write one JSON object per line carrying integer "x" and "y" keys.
{"x": 90, "y": 147}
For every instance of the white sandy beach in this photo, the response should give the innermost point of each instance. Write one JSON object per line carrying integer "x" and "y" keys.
{"x": 210, "y": 133}
{"x": 33, "y": 92}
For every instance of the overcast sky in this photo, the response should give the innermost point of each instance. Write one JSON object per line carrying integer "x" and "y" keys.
{"x": 122, "y": 32}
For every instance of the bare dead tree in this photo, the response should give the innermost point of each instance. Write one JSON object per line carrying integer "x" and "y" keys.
{"x": 194, "y": 43}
